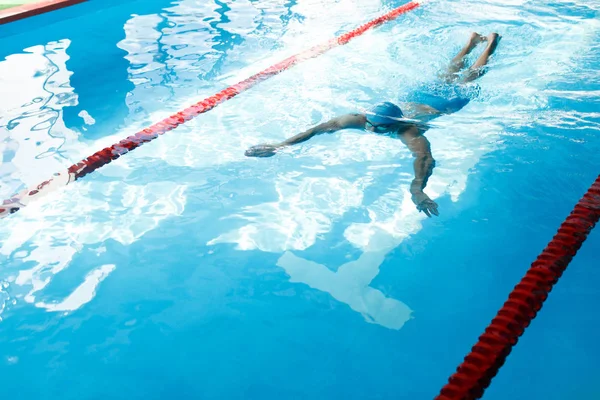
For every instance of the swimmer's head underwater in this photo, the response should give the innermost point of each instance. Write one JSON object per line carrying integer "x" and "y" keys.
{"x": 387, "y": 117}
{"x": 383, "y": 117}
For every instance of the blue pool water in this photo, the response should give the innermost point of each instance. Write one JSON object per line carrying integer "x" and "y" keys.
{"x": 185, "y": 270}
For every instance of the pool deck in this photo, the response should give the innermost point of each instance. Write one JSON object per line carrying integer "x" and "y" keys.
{"x": 14, "y": 3}
{"x": 13, "y": 10}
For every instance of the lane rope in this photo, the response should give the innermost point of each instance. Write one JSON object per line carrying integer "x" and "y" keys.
{"x": 108, "y": 154}
{"x": 480, "y": 366}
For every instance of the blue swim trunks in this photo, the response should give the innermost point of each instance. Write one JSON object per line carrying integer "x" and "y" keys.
{"x": 445, "y": 97}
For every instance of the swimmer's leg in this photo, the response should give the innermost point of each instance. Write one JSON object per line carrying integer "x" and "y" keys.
{"x": 477, "y": 70}
{"x": 458, "y": 62}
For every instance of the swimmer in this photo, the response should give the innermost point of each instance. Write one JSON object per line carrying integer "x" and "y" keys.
{"x": 444, "y": 97}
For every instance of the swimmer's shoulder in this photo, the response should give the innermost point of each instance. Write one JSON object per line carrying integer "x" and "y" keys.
{"x": 411, "y": 130}
{"x": 420, "y": 111}
{"x": 351, "y": 121}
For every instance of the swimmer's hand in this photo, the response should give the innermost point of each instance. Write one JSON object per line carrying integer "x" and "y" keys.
{"x": 425, "y": 204}
{"x": 262, "y": 150}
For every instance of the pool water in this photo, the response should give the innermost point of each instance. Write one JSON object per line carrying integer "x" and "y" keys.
{"x": 185, "y": 269}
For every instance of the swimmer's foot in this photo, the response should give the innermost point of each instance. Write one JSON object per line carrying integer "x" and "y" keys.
{"x": 478, "y": 69}
{"x": 475, "y": 39}
{"x": 493, "y": 39}
{"x": 458, "y": 62}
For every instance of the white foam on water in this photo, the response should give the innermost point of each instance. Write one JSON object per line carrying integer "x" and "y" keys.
{"x": 317, "y": 183}
{"x": 513, "y": 89}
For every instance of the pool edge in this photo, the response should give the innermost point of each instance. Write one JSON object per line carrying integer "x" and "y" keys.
{"x": 29, "y": 10}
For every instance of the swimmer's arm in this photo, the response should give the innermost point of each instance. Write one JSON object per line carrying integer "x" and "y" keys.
{"x": 350, "y": 121}
{"x": 423, "y": 166}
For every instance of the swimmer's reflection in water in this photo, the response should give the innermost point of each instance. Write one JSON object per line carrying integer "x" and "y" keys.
{"x": 446, "y": 96}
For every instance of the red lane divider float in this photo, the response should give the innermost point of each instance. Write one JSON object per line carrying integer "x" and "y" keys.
{"x": 37, "y": 8}
{"x": 115, "y": 151}
{"x": 475, "y": 374}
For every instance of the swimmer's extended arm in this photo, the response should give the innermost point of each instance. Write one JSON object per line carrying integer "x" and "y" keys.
{"x": 350, "y": 121}
{"x": 423, "y": 165}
